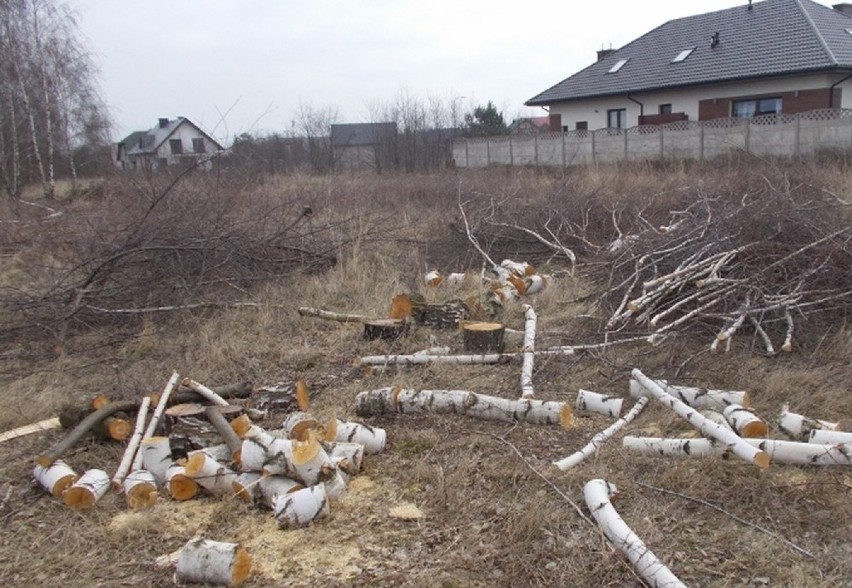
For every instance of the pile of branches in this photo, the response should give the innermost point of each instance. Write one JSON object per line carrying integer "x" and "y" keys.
{"x": 764, "y": 258}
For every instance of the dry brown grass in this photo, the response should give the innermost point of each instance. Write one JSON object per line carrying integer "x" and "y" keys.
{"x": 491, "y": 520}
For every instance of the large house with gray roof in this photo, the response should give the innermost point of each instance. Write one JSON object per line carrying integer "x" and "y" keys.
{"x": 170, "y": 142}
{"x": 775, "y": 56}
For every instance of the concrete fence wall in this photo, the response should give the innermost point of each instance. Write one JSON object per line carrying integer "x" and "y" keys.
{"x": 774, "y": 134}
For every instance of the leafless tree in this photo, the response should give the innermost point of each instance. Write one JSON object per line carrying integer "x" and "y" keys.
{"x": 313, "y": 125}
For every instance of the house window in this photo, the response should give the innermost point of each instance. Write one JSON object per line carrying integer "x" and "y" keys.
{"x": 616, "y": 118}
{"x": 665, "y": 108}
{"x": 755, "y": 107}
{"x": 582, "y": 125}
{"x": 564, "y": 128}
{"x": 683, "y": 55}
{"x": 198, "y": 145}
{"x": 176, "y": 146}
{"x": 618, "y": 65}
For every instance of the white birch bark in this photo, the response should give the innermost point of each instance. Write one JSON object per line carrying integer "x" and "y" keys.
{"x": 699, "y": 398}
{"x": 297, "y": 424}
{"x": 717, "y": 417}
{"x": 781, "y": 452}
{"x": 246, "y": 487}
{"x": 140, "y": 489}
{"x": 301, "y": 507}
{"x": 597, "y": 493}
{"x": 745, "y": 422}
{"x": 421, "y": 359}
{"x": 86, "y": 491}
{"x": 480, "y": 406}
{"x": 178, "y": 484}
{"x": 209, "y": 473}
{"x": 799, "y": 426}
{"x": 346, "y": 456}
{"x": 55, "y": 478}
{"x": 161, "y": 404}
{"x": 829, "y": 437}
{"x": 204, "y": 561}
{"x": 528, "y": 351}
{"x": 738, "y": 445}
{"x": 204, "y": 391}
{"x": 273, "y": 486}
{"x": 132, "y": 446}
{"x": 156, "y": 455}
{"x": 592, "y": 447}
{"x": 598, "y": 403}
{"x": 372, "y": 439}
{"x": 335, "y": 486}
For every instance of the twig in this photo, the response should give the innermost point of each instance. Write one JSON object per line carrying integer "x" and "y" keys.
{"x": 729, "y": 514}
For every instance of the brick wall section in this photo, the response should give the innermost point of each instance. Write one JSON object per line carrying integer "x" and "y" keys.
{"x": 791, "y": 103}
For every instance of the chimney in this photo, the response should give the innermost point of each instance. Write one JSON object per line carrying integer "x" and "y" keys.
{"x": 845, "y": 8}
{"x": 603, "y": 53}
{"x": 164, "y": 122}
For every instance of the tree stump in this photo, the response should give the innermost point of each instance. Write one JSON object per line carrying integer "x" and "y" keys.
{"x": 385, "y": 329}
{"x": 481, "y": 337}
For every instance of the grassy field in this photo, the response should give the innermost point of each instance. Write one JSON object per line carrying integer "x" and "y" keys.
{"x": 496, "y": 511}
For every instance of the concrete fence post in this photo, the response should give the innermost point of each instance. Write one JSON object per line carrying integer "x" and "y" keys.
{"x": 594, "y": 155}
{"x": 563, "y": 150}
{"x": 487, "y": 151}
{"x": 700, "y": 142}
{"x": 511, "y": 153}
{"x": 798, "y": 135}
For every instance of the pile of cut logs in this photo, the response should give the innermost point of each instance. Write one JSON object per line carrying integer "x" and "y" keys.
{"x": 294, "y": 471}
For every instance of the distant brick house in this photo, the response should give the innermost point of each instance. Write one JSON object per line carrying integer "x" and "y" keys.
{"x": 770, "y": 57}
{"x": 170, "y": 142}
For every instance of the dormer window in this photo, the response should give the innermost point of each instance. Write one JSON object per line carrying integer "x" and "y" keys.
{"x": 618, "y": 65}
{"x": 683, "y": 55}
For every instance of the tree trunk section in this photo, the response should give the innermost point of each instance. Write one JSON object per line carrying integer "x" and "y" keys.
{"x": 204, "y": 561}
{"x": 178, "y": 484}
{"x": 208, "y": 473}
{"x": 130, "y": 451}
{"x": 385, "y": 329}
{"x": 598, "y": 403}
{"x": 480, "y": 337}
{"x": 55, "y": 478}
{"x": 140, "y": 490}
{"x": 300, "y": 508}
{"x": 86, "y": 491}
{"x": 372, "y": 439}
{"x": 273, "y": 486}
{"x": 156, "y": 455}
{"x": 698, "y": 398}
{"x": 745, "y": 422}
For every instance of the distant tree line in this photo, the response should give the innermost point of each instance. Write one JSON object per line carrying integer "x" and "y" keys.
{"x": 52, "y": 119}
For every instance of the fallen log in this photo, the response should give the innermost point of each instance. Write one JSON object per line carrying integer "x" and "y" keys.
{"x": 246, "y": 487}
{"x": 717, "y": 417}
{"x": 592, "y": 447}
{"x": 156, "y": 457}
{"x": 111, "y": 427}
{"x": 598, "y": 403}
{"x": 230, "y": 391}
{"x": 372, "y": 439}
{"x": 140, "y": 489}
{"x": 133, "y": 445}
{"x": 208, "y": 473}
{"x": 417, "y": 359}
{"x": 217, "y": 419}
{"x": 528, "y": 350}
{"x": 82, "y": 429}
{"x": 699, "y": 398}
{"x": 346, "y": 456}
{"x": 780, "y": 452}
{"x": 799, "y": 426}
{"x": 178, "y": 484}
{"x": 86, "y": 491}
{"x": 204, "y": 391}
{"x": 44, "y": 425}
{"x": 332, "y": 316}
{"x": 300, "y": 508}
{"x": 827, "y": 437}
{"x": 597, "y": 494}
{"x": 273, "y": 486}
{"x": 56, "y": 478}
{"x": 162, "y": 402}
{"x": 211, "y": 562}
{"x": 745, "y": 422}
{"x": 396, "y": 400}
{"x": 738, "y": 445}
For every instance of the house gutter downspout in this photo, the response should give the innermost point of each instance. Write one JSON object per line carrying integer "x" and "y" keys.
{"x": 641, "y": 106}
{"x": 831, "y": 90}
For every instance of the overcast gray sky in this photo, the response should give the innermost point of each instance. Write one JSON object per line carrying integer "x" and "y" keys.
{"x": 247, "y": 65}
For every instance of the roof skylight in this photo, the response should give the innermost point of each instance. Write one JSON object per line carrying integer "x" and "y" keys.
{"x": 683, "y": 55}
{"x": 618, "y": 65}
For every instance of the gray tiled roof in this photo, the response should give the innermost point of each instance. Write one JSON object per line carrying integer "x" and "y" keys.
{"x": 775, "y": 37}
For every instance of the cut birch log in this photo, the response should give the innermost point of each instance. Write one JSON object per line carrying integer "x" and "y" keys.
{"x": 140, "y": 489}
{"x": 335, "y": 486}
{"x": 396, "y": 400}
{"x": 699, "y": 398}
{"x": 714, "y": 416}
{"x": 162, "y": 401}
{"x": 745, "y": 422}
{"x": 208, "y": 473}
{"x": 528, "y": 351}
{"x": 827, "y": 437}
{"x": 601, "y": 438}
{"x": 738, "y": 445}
{"x": 178, "y": 484}
{"x": 45, "y": 425}
{"x": 799, "y": 426}
{"x": 385, "y": 329}
{"x": 482, "y": 337}
{"x": 372, "y": 439}
{"x": 597, "y": 494}
{"x": 305, "y": 461}
{"x": 231, "y": 439}
{"x": 81, "y": 430}
{"x": 297, "y": 424}
{"x": 204, "y": 391}
{"x": 274, "y": 486}
{"x": 212, "y": 562}
{"x": 246, "y": 487}
{"x": 156, "y": 455}
{"x": 133, "y": 445}
{"x": 780, "y": 452}
{"x": 346, "y": 456}
{"x": 86, "y": 491}
{"x": 241, "y": 426}
{"x": 331, "y": 315}
{"x": 301, "y": 507}
{"x": 598, "y": 403}
{"x": 446, "y": 315}
{"x": 419, "y": 359}
{"x": 111, "y": 427}
{"x": 55, "y": 478}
